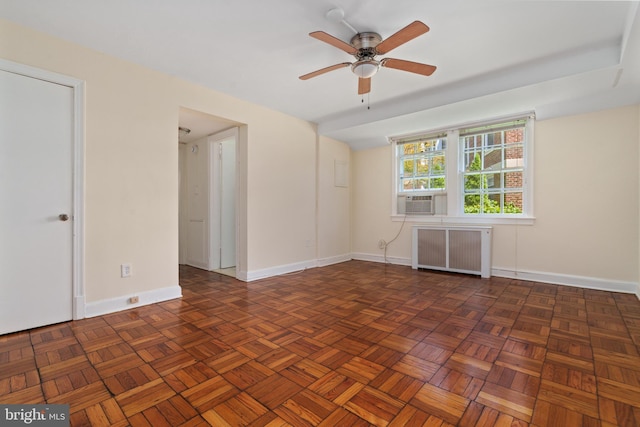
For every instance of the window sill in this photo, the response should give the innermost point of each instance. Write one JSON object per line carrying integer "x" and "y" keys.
{"x": 457, "y": 220}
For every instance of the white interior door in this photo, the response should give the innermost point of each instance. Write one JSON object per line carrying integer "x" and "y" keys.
{"x": 36, "y": 192}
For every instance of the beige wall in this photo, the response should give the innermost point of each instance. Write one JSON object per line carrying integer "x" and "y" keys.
{"x": 334, "y": 202}
{"x": 290, "y": 214}
{"x": 132, "y": 169}
{"x": 282, "y": 196}
{"x": 585, "y": 195}
{"x": 372, "y": 187}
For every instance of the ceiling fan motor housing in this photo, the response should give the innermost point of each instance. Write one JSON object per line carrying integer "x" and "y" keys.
{"x": 366, "y": 42}
{"x": 366, "y": 64}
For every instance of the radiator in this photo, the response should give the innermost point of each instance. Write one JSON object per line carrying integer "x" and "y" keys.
{"x": 456, "y": 249}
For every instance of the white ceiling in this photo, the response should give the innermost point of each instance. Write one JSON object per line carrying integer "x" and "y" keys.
{"x": 494, "y": 57}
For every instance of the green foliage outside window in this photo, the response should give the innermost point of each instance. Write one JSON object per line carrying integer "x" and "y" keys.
{"x": 477, "y": 182}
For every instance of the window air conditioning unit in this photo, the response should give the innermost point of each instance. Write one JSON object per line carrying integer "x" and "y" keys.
{"x": 416, "y": 205}
{"x": 422, "y": 204}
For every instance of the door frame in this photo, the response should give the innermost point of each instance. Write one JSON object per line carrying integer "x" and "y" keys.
{"x": 215, "y": 196}
{"x": 78, "y": 87}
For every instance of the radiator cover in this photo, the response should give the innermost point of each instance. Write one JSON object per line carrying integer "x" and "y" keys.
{"x": 457, "y": 249}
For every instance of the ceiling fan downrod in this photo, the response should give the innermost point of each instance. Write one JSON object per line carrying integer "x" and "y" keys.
{"x": 337, "y": 15}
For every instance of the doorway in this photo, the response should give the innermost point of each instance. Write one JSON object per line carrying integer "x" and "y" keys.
{"x": 40, "y": 198}
{"x": 207, "y": 170}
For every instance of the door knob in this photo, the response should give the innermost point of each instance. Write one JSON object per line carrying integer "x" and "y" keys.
{"x": 63, "y": 217}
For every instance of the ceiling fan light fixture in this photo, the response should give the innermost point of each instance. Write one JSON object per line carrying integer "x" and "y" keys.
{"x": 365, "y": 68}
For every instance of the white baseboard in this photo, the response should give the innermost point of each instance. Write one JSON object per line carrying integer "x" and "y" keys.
{"x": 534, "y": 276}
{"x": 113, "y": 305}
{"x": 198, "y": 264}
{"x": 380, "y": 259}
{"x": 323, "y": 262}
{"x": 247, "y": 276}
{"x": 278, "y": 270}
{"x": 569, "y": 280}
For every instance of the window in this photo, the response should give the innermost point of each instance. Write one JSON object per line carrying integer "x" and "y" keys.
{"x": 421, "y": 164}
{"x": 493, "y": 168}
{"x": 481, "y": 170}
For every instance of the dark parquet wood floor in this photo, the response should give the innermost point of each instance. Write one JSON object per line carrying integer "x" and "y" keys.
{"x": 354, "y": 344}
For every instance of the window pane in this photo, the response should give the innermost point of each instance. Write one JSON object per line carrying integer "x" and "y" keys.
{"x": 492, "y": 139}
{"x": 471, "y": 142}
{"x": 514, "y": 136}
{"x": 422, "y": 167}
{"x": 409, "y": 148}
{"x": 491, "y": 203}
{"x": 407, "y": 184}
{"x": 492, "y": 159}
{"x": 472, "y": 183}
{"x": 438, "y": 164}
{"x": 473, "y": 162}
{"x": 408, "y": 167}
{"x": 514, "y": 156}
{"x": 492, "y": 181}
{"x": 513, "y": 203}
{"x": 422, "y": 184}
{"x": 513, "y": 180}
{"x": 472, "y": 203}
{"x": 437, "y": 183}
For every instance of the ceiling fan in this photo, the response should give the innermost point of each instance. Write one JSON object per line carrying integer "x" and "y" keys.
{"x": 366, "y": 46}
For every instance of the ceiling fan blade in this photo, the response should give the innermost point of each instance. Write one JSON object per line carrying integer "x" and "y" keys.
{"x": 324, "y": 70}
{"x": 333, "y": 41}
{"x": 364, "y": 85}
{"x": 412, "y": 67}
{"x": 406, "y": 34}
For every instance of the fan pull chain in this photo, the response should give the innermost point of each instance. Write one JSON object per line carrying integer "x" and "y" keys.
{"x": 368, "y": 101}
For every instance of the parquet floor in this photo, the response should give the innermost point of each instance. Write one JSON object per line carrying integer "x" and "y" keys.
{"x": 354, "y": 344}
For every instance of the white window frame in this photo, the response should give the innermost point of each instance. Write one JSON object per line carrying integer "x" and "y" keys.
{"x": 455, "y": 182}
{"x": 399, "y": 167}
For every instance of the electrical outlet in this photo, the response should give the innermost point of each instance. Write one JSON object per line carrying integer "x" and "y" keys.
{"x": 381, "y": 244}
{"x": 134, "y": 300}
{"x": 125, "y": 270}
